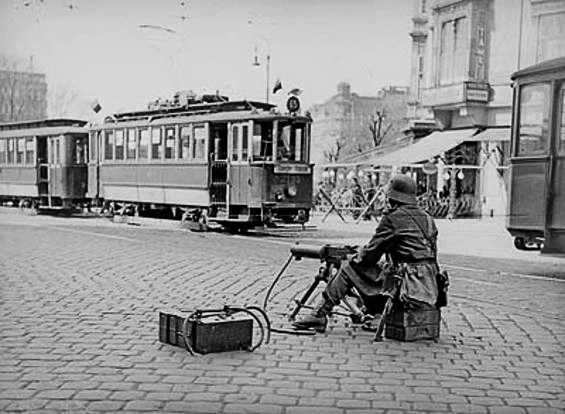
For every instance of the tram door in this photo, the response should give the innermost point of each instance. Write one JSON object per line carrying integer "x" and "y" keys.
{"x": 239, "y": 169}
{"x": 42, "y": 170}
{"x": 530, "y": 165}
{"x": 555, "y": 234}
{"x": 218, "y": 181}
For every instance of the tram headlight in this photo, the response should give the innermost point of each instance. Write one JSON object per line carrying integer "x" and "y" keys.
{"x": 279, "y": 196}
{"x": 291, "y": 190}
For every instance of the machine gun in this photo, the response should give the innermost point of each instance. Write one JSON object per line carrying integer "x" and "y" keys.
{"x": 331, "y": 257}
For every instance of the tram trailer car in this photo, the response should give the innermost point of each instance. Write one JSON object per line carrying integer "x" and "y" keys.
{"x": 43, "y": 163}
{"x": 241, "y": 162}
{"x": 537, "y": 173}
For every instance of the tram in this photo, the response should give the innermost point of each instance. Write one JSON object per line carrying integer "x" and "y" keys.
{"x": 44, "y": 163}
{"x": 241, "y": 163}
{"x": 537, "y": 164}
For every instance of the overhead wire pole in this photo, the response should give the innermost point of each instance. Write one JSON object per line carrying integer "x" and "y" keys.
{"x": 268, "y": 68}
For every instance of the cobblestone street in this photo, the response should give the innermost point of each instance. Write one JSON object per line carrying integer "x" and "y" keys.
{"x": 79, "y": 307}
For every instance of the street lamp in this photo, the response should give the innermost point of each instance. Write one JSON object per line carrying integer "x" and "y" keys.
{"x": 268, "y": 66}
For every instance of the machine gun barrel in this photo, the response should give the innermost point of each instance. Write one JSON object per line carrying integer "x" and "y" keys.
{"x": 325, "y": 252}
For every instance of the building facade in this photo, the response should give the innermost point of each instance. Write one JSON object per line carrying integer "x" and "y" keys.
{"x": 463, "y": 54}
{"x": 23, "y": 96}
{"x": 348, "y": 124}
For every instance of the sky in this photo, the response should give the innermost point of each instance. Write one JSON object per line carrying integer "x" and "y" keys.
{"x": 125, "y": 53}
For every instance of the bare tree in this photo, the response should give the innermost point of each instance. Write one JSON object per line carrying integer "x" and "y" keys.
{"x": 333, "y": 153}
{"x": 376, "y": 127}
{"x": 65, "y": 102}
{"x": 17, "y": 94}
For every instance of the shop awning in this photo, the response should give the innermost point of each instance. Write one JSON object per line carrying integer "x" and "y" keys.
{"x": 428, "y": 147}
{"x": 492, "y": 134}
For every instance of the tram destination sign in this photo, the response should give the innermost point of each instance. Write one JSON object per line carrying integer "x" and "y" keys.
{"x": 292, "y": 169}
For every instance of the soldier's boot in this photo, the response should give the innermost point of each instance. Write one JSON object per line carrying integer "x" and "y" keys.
{"x": 317, "y": 320}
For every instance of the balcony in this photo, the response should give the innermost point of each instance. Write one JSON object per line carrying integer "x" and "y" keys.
{"x": 456, "y": 94}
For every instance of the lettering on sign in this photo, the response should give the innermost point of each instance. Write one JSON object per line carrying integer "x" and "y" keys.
{"x": 292, "y": 169}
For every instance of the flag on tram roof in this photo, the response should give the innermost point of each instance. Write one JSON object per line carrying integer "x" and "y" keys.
{"x": 278, "y": 86}
{"x": 96, "y": 107}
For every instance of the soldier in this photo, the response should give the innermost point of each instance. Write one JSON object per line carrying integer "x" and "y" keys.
{"x": 407, "y": 235}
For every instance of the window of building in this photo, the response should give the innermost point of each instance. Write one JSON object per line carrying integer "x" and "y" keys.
{"x": 551, "y": 36}
{"x": 143, "y": 143}
{"x": 454, "y": 51}
{"x": 120, "y": 144}
{"x": 156, "y": 144}
{"x": 422, "y": 6}
{"x": 199, "y": 149}
{"x": 446, "y": 53}
{"x": 170, "y": 138}
{"x": 533, "y": 124}
{"x": 131, "y": 145}
{"x": 461, "y": 45}
{"x": 30, "y": 151}
{"x": 235, "y": 143}
{"x": 2, "y": 151}
{"x": 184, "y": 142}
{"x": 20, "y": 150}
{"x": 109, "y": 145}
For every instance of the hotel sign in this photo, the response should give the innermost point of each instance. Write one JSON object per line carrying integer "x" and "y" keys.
{"x": 476, "y": 92}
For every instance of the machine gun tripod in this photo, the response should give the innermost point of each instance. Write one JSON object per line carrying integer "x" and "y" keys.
{"x": 331, "y": 258}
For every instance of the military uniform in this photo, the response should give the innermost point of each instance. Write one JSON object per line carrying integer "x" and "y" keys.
{"x": 407, "y": 236}
{"x": 400, "y": 235}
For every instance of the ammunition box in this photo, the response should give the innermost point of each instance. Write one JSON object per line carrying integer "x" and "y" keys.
{"x": 209, "y": 334}
{"x": 411, "y": 325}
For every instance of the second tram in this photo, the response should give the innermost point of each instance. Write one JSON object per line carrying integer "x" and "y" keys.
{"x": 537, "y": 174}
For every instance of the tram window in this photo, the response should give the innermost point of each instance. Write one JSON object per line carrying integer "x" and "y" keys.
{"x": 2, "y": 151}
{"x": 119, "y": 144}
{"x": 10, "y": 157}
{"x": 51, "y": 156}
{"x": 562, "y": 121}
{"x": 299, "y": 144}
{"x": 93, "y": 146}
{"x": 131, "y": 145}
{"x": 81, "y": 155}
{"x": 20, "y": 150}
{"x": 533, "y": 132}
{"x": 143, "y": 143}
{"x": 199, "y": 148}
{"x": 57, "y": 151}
{"x": 30, "y": 151}
{"x": 244, "y": 142}
{"x": 235, "y": 143}
{"x": 262, "y": 141}
{"x": 156, "y": 144}
{"x": 169, "y": 143}
{"x": 109, "y": 145}
{"x": 184, "y": 142}
{"x": 284, "y": 150}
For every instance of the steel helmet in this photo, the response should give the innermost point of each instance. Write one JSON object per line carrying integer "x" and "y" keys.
{"x": 402, "y": 188}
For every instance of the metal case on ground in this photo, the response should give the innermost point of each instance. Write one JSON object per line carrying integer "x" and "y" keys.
{"x": 411, "y": 325}
{"x": 207, "y": 335}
